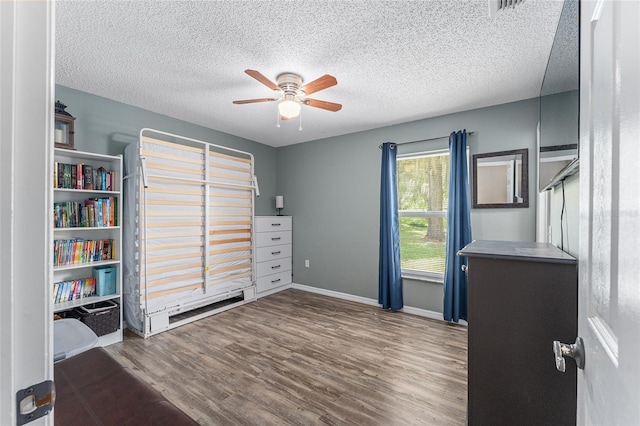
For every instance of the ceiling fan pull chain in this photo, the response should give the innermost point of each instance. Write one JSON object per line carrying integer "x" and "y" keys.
{"x": 300, "y": 128}
{"x": 278, "y": 118}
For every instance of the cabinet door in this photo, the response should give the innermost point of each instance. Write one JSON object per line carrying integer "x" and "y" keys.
{"x": 516, "y": 310}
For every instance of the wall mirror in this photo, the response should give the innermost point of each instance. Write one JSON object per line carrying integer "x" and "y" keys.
{"x": 559, "y": 103}
{"x": 501, "y": 179}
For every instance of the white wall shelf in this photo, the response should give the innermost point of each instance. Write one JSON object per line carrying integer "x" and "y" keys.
{"x": 112, "y": 232}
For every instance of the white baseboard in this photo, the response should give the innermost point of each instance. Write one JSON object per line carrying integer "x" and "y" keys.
{"x": 367, "y": 301}
{"x": 273, "y": 290}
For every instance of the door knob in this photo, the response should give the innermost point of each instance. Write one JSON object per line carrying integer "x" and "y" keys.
{"x": 575, "y": 351}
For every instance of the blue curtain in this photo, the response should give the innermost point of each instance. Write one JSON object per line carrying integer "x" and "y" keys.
{"x": 458, "y": 229}
{"x": 389, "y": 279}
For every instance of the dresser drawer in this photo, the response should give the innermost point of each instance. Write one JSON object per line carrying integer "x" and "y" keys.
{"x": 273, "y": 252}
{"x": 273, "y": 266}
{"x": 264, "y": 239}
{"x": 273, "y": 223}
{"x": 272, "y": 281}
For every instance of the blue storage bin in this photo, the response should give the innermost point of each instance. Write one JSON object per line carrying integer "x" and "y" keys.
{"x": 105, "y": 280}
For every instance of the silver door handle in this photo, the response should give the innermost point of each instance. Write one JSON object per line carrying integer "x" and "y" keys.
{"x": 575, "y": 351}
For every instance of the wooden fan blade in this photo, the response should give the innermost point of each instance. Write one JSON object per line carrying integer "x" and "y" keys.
{"x": 320, "y": 84}
{"x": 329, "y": 106}
{"x": 250, "y": 101}
{"x": 262, "y": 79}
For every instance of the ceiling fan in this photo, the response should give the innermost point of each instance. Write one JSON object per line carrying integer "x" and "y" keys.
{"x": 292, "y": 94}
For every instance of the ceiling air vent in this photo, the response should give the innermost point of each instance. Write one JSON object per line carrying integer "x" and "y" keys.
{"x": 496, "y": 6}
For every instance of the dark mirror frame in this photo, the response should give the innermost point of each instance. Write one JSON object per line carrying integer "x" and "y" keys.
{"x": 524, "y": 179}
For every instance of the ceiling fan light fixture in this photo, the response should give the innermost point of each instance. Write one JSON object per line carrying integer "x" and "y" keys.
{"x": 289, "y": 108}
{"x": 294, "y": 94}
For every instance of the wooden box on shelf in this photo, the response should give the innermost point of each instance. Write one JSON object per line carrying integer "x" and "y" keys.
{"x": 63, "y": 127}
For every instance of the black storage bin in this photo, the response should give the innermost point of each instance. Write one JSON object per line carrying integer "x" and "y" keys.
{"x": 101, "y": 317}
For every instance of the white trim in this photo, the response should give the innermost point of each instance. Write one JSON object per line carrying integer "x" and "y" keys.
{"x": 26, "y": 235}
{"x": 336, "y": 294}
{"x": 367, "y": 301}
{"x": 431, "y": 278}
{"x": 273, "y": 290}
{"x": 421, "y": 213}
{"x": 421, "y": 154}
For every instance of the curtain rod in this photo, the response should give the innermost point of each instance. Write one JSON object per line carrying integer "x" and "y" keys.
{"x": 424, "y": 140}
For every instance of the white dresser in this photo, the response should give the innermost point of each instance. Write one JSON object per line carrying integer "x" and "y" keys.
{"x": 273, "y": 253}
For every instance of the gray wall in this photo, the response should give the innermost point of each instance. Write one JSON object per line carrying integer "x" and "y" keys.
{"x": 105, "y": 126}
{"x": 559, "y": 126}
{"x": 571, "y": 215}
{"x": 331, "y": 188}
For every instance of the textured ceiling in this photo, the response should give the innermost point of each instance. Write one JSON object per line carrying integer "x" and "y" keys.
{"x": 395, "y": 61}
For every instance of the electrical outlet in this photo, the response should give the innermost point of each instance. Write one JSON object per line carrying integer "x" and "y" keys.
{"x": 306, "y": 263}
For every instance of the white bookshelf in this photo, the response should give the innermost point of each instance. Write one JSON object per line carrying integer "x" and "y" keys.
{"x": 84, "y": 270}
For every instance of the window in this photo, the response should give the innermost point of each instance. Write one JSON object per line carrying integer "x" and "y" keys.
{"x": 423, "y": 198}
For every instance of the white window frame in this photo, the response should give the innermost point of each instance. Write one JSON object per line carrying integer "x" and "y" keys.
{"x": 415, "y": 274}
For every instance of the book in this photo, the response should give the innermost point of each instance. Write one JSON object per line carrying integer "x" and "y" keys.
{"x": 105, "y": 212}
{"x": 65, "y": 294}
{"x": 55, "y": 174}
{"x": 74, "y": 176}
{"x": 55, "y": 291}
{"x": 88, "y": 287}
{"x": 112, "y": 211}
{"x": 87, "y": 173}
{"x": 60, "y": 175}
{"x": 56, "y": 294}
{"x": 80, "y": 178}
{"x": 67, "y": 176}
{"x": 57, "y": 220}
{"x": 78, "y": 293}
{"x": 101, "y": 183}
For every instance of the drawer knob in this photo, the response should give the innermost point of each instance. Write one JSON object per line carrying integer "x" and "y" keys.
{"x": 276, "y": 224}
{"x": 275, "y": 281}
{"x": 275, "y": 238}
{"x": 275, "y": 252}
{"x": 275, "y": 267}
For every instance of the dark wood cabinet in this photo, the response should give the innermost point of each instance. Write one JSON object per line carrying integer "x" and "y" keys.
{"x": 521, "y": 297}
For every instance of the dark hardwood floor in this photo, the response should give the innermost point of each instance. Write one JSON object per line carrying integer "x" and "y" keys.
{"x": 299, "y": 358}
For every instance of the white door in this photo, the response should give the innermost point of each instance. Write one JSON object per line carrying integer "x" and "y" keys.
{"x": 26, "y": 121}
{"x": 609, "y": 296}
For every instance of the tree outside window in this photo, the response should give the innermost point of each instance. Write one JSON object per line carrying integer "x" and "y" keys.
{"x": 423, "y": 191}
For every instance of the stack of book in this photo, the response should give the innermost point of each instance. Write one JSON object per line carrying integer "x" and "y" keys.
{"x": 76, "y": 251}
{"x": 88, "y": 213}
{"x": 82, "y": 176}
{"x": 65, "y": 291}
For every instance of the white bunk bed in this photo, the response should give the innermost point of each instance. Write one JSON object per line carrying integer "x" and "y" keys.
{"x": 188, "y": 230}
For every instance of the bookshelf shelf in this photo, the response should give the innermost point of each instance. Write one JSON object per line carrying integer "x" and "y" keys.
{"x": 86, "y": 191}
{"x": 65, "y": 306}
{"x": 105, "y": 172}
{"x": 85, "y": 228}
{"x": 86, "y": 265}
